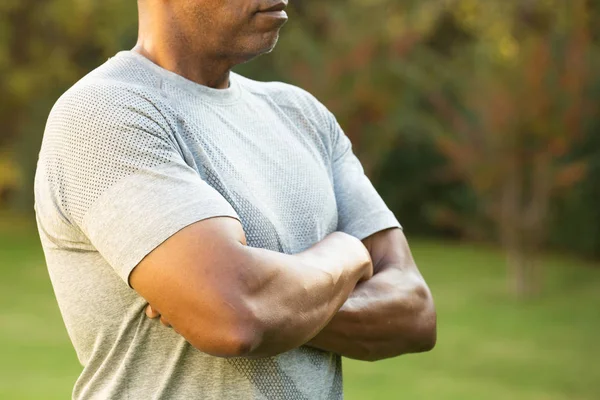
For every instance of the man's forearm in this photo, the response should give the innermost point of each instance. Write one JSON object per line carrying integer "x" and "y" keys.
{"x": 389, "y": 315}
{"x": 296, "y": 302}
{"x": 384, "y": 317}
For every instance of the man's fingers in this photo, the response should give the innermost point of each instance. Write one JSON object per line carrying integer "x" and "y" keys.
{"x": 151, "y": 312}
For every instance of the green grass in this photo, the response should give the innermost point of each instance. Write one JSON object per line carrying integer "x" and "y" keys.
{"x": 489, "y": 346}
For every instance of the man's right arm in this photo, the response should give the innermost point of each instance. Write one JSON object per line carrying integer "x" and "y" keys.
{"x": 228, "y": 299}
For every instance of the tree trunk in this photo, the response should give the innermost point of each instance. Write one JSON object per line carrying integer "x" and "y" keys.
{"x": 512, "y": 230}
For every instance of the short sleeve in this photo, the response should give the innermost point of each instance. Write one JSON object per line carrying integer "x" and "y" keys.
{"x": 361, "y": 210}
{"x": 116, "y": 172}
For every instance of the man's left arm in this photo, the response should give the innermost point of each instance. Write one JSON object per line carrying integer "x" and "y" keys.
{"x": 390, "y": 314}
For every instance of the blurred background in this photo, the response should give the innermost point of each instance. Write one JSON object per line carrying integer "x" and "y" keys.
{"x": 477, "y": 120}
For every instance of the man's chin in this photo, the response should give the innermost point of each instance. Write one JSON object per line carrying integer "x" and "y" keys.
{"x": 265, "y": 46}
{"x": 271, "y": 45}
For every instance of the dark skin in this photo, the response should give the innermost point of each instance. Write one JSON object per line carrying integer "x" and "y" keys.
{"x": 203, "y": 40}
{"x": 390, "y": 314}
{"x": 231, "y": 300}
{"x": 386, "y": 316}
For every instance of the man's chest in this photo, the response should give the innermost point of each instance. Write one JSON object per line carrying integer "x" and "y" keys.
{"x": 276, "y": 173}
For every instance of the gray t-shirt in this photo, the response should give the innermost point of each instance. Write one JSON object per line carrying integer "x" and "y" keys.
{"x": 132, "y": 154}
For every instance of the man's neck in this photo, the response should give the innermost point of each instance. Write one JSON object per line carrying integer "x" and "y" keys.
{"x": 161, "y": 42}
{"x": 203, "y": 70}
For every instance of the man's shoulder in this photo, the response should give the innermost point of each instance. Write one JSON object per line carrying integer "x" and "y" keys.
{"x": 118, "y": 83}
{"x": 116, "y": 92}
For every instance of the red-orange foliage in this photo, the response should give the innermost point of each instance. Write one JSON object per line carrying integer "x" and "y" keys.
{"x": 514, "y": 123}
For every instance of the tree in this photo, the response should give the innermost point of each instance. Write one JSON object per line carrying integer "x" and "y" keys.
{"x": 513, "y": 108}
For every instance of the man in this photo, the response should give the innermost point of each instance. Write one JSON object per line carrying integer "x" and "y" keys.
{"x": 234, "y": 208}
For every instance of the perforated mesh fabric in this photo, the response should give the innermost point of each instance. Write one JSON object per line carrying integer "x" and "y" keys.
{"x": 132, "y": 154}
{"x": 96, "y": 138}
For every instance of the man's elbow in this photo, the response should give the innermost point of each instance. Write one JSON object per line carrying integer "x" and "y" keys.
{"x": 416, "y": 334}
{"x": 425, "y": 325}
{"x": 247, "y": 340}
{"x": 230, "y": 334}
{"x": 426, "y": 334}
{"x": 420, "y": 338}
{"x": 232, "y": 342}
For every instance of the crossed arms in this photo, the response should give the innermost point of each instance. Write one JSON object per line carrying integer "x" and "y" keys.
{"x": 363, "y": 300}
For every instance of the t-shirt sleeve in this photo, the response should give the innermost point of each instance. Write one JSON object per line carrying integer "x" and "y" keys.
{"x": 361, "y": 210}
{"x": 118, "y": 174}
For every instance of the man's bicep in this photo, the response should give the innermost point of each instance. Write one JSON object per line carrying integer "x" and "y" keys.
{"x": 198, "y": 250}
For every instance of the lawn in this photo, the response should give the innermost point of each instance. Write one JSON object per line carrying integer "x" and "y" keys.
{"x": 489, "y": 346}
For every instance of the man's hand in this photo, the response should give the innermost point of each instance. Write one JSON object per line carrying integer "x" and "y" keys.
{"x": 389, "y": 315}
